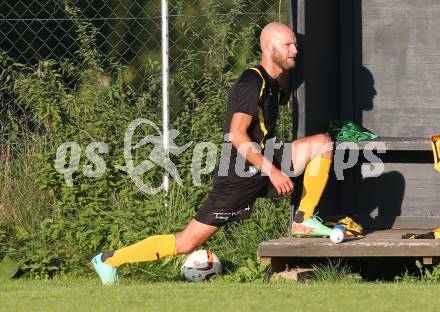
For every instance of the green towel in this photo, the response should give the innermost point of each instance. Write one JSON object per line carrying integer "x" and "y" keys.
{"x": 349, "y": 131}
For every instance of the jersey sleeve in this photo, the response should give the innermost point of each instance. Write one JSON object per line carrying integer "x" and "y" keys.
{"x": 247, "y": 94}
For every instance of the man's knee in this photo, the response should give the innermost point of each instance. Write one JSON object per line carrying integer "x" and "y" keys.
{"x": 326, "y": 142}
{"x": 324, "y": 138}
{"x": 194, "y": 235}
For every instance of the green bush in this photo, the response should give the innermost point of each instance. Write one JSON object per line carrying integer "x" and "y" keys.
{"x": 426, "y": 274}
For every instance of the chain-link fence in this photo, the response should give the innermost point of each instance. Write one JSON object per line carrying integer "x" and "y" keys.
{"x": 128, "y": 32}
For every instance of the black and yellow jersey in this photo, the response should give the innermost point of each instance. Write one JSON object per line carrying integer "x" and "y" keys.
{"x": 257, "y": 94}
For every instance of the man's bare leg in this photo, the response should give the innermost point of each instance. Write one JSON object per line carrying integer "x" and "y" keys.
{"x": 307, "y": 148}
{"x": 195, "y": 234}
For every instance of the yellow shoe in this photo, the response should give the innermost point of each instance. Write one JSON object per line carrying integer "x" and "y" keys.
{"x": 353, "y": 228}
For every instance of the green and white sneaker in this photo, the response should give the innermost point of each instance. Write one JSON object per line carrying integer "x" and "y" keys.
{"x": 107, "y": 273}
{"x": 312, "y": 227}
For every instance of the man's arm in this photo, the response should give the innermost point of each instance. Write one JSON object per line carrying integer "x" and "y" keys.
{"x": 239, "y": 125}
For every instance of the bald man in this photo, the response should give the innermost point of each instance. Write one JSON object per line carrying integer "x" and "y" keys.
{"x": 250, "y": 172}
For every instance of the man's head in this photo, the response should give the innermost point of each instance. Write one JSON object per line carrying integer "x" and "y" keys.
{"x": 278, "y": 45}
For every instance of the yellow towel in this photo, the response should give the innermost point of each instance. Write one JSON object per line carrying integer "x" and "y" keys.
{"x": 436, "y": 150}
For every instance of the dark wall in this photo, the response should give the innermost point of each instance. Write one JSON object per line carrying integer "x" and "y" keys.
{"x": 321, "y": 60}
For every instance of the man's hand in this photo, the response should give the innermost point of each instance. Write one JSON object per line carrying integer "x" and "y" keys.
{"x": 281, "y": 182}
{"x": 239, "y": 125}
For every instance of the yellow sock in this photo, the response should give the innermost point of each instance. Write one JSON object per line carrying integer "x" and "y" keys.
{"x": 315, "y": 179}
{"x": 149, "y": 249}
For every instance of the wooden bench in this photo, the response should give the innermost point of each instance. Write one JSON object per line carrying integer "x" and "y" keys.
{"x": 387, "y": 242}
{"x": 281, "y": 253}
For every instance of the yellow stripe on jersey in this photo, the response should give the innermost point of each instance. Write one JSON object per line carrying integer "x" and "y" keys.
{"x": 259, "y": 110}
{"x": 262, "y": 126}
{"x": 262, "y": 78}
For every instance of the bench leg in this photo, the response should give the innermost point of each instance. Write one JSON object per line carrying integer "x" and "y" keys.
{"x": 277, "y": 264}
{"x": 431, "y": 260}
{"x": 280, "y": 269}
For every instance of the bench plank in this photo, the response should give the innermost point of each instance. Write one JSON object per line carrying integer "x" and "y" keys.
{"x": 376, "y": 244}
{"x": 397, "y": 144}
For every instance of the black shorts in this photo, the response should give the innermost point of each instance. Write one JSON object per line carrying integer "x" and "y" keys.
{"x": 233, "y": 197}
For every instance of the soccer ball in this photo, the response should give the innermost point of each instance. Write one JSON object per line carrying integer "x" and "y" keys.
{"x": 200, "y": 265}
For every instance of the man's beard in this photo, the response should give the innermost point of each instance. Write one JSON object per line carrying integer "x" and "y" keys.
{"x": 281, "y": 62}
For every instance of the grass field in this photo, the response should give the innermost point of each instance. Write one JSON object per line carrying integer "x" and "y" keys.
{"x": 88, "y": 295}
